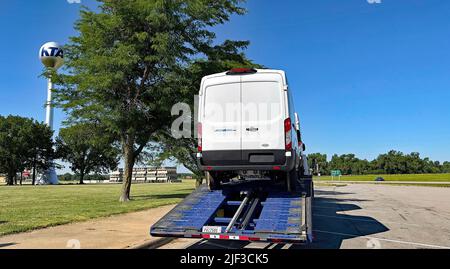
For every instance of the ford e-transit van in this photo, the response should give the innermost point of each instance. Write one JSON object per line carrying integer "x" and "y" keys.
{"x": 248, "y": 127}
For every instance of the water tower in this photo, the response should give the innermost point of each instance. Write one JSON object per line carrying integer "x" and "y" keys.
{"x": 52, "y": 56}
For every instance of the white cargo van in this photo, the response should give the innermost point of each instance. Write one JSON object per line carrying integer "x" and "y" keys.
{"x": 248, "y": 127}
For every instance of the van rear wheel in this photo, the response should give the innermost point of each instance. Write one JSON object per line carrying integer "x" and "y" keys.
{"x": 212, "y": 181}
{"x": 291, "y": 180}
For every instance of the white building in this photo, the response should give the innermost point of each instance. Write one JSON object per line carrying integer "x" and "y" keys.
{"x": 148, "y": 175}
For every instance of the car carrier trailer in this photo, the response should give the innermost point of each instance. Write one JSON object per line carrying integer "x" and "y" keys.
{"x": 244, "y": 210}
{"x": 251, "y": 149}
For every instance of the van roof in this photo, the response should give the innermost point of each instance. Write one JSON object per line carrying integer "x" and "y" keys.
{"x": 259, "y": 71}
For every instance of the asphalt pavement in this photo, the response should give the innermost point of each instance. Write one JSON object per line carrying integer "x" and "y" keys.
{"x": 364, "y": 216}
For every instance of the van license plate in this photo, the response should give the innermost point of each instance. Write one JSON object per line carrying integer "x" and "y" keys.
{"x": 212, "y": 229}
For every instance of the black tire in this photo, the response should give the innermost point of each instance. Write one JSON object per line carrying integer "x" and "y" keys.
{"x": 212, "y": 181}
{"x": 293, "y": 178}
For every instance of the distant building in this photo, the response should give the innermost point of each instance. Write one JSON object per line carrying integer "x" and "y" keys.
{"x": 148, "y": 175}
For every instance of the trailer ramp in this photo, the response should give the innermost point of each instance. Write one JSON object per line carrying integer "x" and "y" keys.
{"x": 264, "y": 213}
{"x": 191, "y": 214}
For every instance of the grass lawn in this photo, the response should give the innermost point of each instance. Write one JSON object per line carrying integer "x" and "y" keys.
{"x": 26, "y": 208}
{"x": 415, "y": 178}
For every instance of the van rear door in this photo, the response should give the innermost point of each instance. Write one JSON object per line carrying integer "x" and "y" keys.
{"x": 221, "y": 119}
{"x": 263, "y": 112}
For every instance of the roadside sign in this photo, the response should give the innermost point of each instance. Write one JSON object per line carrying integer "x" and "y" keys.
{"x": 336, "y": 173}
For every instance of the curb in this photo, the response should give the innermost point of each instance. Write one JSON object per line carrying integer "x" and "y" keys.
{"x": 153, "y": 244}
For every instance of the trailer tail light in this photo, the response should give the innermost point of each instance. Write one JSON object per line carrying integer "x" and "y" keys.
{"x": 247, "y": 238}
{"x": 200, "y": 134}
{"x": 288, "y": 133}
{"x": 276, "y": 240}
{"x": 239, "y": 71}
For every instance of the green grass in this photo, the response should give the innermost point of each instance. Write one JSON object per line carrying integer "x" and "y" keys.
{"x": 27, "y": 208}
{"x": 412, "y": 178}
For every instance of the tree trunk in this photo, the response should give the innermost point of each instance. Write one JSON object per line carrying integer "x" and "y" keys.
{"x": 82, "y": 178}
{"x": 128, "y": 149}
{"x": 21, "y": 178}
{"x": 10, "y": 179}
{"x": 34, "y": 173}
{"x": 199, "y": 181}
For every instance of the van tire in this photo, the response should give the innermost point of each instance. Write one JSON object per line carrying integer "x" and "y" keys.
{"x": 213, "y": 183}
{"x": 292, "y": 177}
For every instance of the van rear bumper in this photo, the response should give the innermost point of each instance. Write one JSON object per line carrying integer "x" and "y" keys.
{"x": 235, "y": 160}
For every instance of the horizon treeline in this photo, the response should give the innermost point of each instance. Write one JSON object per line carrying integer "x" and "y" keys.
{"x": 393, "y": 162}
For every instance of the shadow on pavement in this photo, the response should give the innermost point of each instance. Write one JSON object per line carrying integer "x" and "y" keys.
{"x": 332, "y": 225}
{"x": 7, "y": 245}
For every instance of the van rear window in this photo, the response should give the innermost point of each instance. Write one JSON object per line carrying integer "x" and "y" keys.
{"x": 223, "y": 103}
{"x": 262, "y": 101}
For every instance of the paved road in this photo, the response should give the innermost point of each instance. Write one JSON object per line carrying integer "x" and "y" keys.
{"x": 367, "y": 216}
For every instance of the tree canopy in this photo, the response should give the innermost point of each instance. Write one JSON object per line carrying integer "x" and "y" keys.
{"x": 24, "y": 143}
{"x": 393, "y": 162}
{"x": 87, "y": 149}
{"x": 122, "y": 67}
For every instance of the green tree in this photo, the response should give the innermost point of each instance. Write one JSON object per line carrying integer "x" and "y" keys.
{"x": 24, "y": 143}
{"x": 66, "y": 177}
{"x": 391, "y": 163}
{"x": 87, "y": 149}
{"x": 361, "y": 167}
{"x": 318, "y": 160}
{"x": 446, "y": 167}
{"x": 118, "y": 65}
{"x": 41, "y": 149}
{"x": 347, "y": 163}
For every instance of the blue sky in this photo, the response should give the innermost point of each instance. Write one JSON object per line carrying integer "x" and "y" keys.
{"x": 367, "y": 77}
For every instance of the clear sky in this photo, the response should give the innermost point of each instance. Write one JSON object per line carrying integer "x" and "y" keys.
{"x": 367, "y": 77}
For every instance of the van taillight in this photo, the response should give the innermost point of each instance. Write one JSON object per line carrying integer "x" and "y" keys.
{"x": 288, "y": 133}
{"x": 200, "y": 132}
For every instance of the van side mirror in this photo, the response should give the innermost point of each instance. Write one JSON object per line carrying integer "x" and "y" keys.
{"x": 302, "y": 145}
{"x": 297, "y": 122}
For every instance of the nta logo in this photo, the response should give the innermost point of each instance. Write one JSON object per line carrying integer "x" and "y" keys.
{"x": 52, "y": 52}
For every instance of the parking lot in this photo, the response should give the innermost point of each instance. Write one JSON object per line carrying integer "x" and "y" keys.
{"x": 361, "y": 216}
{"x": 380, "y": 216}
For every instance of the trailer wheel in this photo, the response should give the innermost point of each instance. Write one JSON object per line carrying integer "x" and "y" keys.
{"x": 213, "y": 182}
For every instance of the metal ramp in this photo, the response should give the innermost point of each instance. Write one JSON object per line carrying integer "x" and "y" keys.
{"x": 192, "y": 213}
{"x": 281, "y": 214}
{"x": 261, "y": 214}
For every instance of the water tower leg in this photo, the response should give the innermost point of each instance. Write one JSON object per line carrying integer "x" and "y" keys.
{"x": 49, "y": 107}
{"x": 49, "y": 176}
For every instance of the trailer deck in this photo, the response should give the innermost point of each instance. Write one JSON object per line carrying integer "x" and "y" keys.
{"x": 246, "y": 211}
